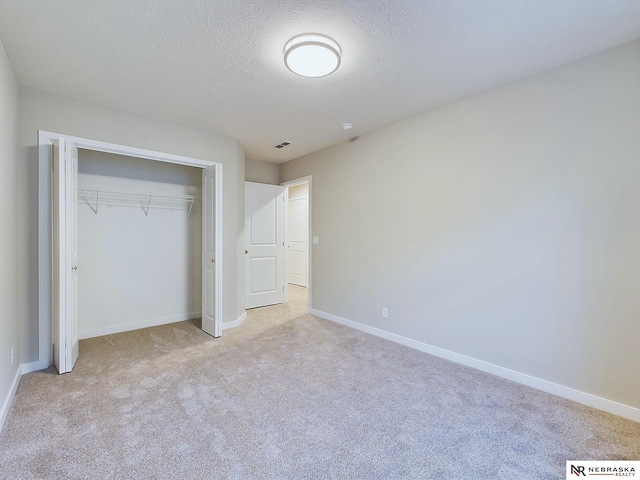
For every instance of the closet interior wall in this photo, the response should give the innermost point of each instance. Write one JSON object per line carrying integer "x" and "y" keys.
{"x": 139, "y": 260}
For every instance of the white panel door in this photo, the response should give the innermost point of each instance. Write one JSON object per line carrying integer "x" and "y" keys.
{"x": 298, "y": 244}
{"x": 264, "y": 244}
{"x": 65, "y": 255}
{"x": 211, "y": 321}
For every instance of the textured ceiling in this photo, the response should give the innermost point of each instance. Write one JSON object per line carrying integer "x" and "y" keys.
{"x": 217, "y": 65}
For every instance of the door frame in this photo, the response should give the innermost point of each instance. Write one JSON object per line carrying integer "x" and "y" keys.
{"x": 45, "y": 142}
{"x": 293, "y": 183}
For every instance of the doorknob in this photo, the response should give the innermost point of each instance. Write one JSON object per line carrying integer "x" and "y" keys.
{"x": 246, "y": 251}
{"x": 74, "y": 267}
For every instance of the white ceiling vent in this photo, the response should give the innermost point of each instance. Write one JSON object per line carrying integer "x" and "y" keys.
{"x": 283, "y": 144}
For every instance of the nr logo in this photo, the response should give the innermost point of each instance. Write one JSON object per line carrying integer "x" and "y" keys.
{"x": 577, "y": 471}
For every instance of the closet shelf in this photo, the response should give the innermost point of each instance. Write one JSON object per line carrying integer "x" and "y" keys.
{"x": 93, "y": 196}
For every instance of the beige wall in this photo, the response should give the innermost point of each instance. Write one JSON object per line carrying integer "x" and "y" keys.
{"x": 504, "y": 227}
{"x": 10, "y": 316}
{"x": 261, "y": 172}
{"x": 44, "y": 111}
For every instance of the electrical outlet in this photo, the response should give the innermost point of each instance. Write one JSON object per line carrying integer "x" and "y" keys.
{"x": 242, "y": 298}
{"x": 11, "y": 354}
{"x": 385, "y": 312}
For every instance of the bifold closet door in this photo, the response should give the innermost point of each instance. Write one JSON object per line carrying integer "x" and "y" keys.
{"x": 211, "y": 322}
{"x": 65, "y": 255}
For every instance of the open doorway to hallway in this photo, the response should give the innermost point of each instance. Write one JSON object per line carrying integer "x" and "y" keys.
{"x": 297, "y": 235}
{"x": 262, "y": 319}
{"x": 297, "y": 242}
{"x": 298, "y": 298}
{"x": 277, "y": 244}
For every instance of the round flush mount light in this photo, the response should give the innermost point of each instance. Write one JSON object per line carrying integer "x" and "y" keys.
{"x": 312, "y": 55}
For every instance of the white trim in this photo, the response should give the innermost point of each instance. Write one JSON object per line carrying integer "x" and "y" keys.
{"x": 45, "y": 140}
{"x": 235, "y": 323}
{"x": 127, "y": 151}
{"x": 45, "y": 334}
{"x": 127, "y": 327}
{"x": 292, "y": 183}
{"x": 6, "y": 405}
{"x": 588, "y": 399}
{"x": 33, "y": 367}
{"x": 296, "y": 181}
{"x": 219, "y": 221}
{"x": 285, "y": 253}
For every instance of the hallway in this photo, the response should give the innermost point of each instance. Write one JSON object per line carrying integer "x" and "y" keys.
{"x": 263, "y": 318}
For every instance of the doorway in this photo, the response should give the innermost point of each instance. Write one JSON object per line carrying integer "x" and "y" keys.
{"x": 278, "y": 232}
{"x": 298, "y": 235}
{"x": 264, "y": 244}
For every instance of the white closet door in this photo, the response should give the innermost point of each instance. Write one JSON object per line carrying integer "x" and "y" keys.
{"x": 65, "y": 255}
{"x": 211, "y": 322}
{"x": 264, "y": 244}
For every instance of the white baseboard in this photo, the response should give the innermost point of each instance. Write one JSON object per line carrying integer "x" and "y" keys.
{"x": 33, "y": 367}
{"x": 154, "y": 322}
{"x": 235, "y": 323}
{"x": 594, "y": 401}
{"x": 6, "y": 405}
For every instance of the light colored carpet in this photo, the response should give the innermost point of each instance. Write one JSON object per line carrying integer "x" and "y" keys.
{"x": 288, "y": 395}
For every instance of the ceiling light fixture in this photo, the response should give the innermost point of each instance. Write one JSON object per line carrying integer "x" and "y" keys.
{"x": 312, "y": 55}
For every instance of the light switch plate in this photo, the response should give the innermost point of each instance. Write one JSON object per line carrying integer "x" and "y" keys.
{"x": 316, "y": 240}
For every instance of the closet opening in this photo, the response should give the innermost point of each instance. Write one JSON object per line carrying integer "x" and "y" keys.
{"x": 139, "y": 243}
{"x": 115, "y": 178}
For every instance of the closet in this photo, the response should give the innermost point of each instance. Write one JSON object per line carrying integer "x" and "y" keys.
{"x": 139, "y": 243}
{"x": 137, "y": 270}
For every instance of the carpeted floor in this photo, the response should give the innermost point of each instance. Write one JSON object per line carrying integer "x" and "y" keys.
{"x": 288, "y": 395}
